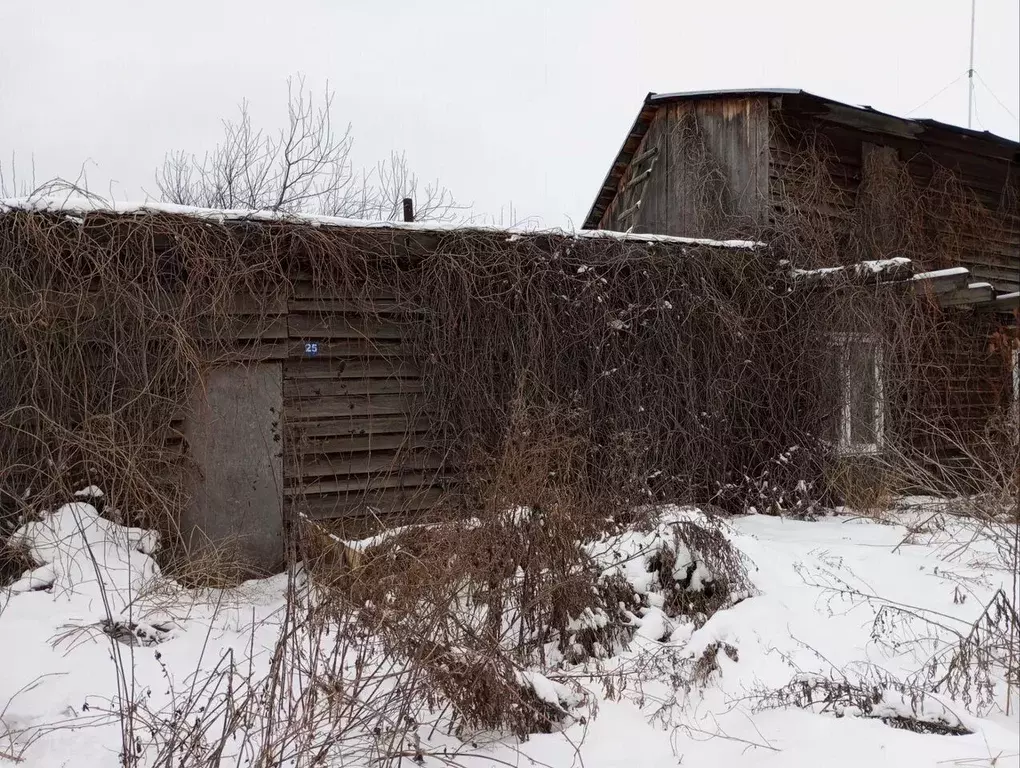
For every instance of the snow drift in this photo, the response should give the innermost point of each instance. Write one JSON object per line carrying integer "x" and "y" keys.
{"x": 819, "y": 652}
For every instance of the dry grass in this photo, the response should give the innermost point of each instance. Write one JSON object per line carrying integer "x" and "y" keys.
{"x": 15, "y": 559}
{"x": 863, "y": 484}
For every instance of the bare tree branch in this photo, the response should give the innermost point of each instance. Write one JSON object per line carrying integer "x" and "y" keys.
{"x": 303, "y": 168}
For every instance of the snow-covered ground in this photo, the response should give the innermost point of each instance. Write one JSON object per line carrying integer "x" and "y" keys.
{"x": 842, "y": 600}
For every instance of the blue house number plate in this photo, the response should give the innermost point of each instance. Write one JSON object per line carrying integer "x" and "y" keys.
{"x": 311, "y": 349}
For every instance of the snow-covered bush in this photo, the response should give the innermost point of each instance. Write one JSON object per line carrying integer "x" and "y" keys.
{"x": 869, "y": 693}
{"x": 790, "y": 483}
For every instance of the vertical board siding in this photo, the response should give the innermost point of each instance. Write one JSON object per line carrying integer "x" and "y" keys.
{"x": 734, "y": 144}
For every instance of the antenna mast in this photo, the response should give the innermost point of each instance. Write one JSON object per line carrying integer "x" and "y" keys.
{"x": 970, "y": 70}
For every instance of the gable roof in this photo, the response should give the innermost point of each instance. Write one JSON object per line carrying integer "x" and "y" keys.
{"x": 863, "y": 117}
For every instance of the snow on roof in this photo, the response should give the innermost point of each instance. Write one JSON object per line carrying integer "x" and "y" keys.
{"x": 942, "y": 273}
{"x": 81, "y": 205}
{"x": 876, "y": 267}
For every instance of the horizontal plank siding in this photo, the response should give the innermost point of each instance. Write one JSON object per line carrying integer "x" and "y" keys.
{"x": 358, "y": 447}
{"x": 348, "y": 405}
{"x": 386, "y": 504}
{"x": 340, "y": 368}
{"x": 340, "y": 326}
{"x": 321, "y": 387}
{"x": 368, "y": 442}
{"x": 960, "y": 388}
{"x": 354, "y": 483}
{"x": 373, "y": 461}
{"x": 355, "y": 426}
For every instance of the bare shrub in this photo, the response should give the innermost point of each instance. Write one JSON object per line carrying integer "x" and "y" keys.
{"x": 968, "y": 661}
{"x": 216, "y": 565}
{"x": 472, "y": 604}
{"x": 794, "y": 483}
{"x": 328, "y": 694}
{"x": 862, "y": 484}
{"x": 14, "y": 561}
{"x": 868, "y": 693}
{"x": 653, "y": 353}
{"x": 325, "y": 556}
{"x": 701, "y": 573}
{"x": 973, "y": 661}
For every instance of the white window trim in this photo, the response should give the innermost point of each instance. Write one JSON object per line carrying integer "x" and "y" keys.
{"x": 844, "y": 439}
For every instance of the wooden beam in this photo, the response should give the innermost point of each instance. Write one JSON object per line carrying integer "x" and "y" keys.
{"x": 862, "y": 273}
{"x": 412, "y": 481}
{"x": 630, "y": 210}
{"x": 349, "y": 406}
{"x": 310, "y": 468}
{"x": 942, "y": 280}
{"x": 650, "y": 152}
{"x": 975, "y": 293}
{"x": 639, "y": 178}
{"x": 300, "y": 389}
{"x": 332, "y": 427}
{"x": 364, "y": 443}
{"x": 1004, "y": 302}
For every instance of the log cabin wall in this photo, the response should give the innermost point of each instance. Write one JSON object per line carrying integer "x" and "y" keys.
{"x": 960, "y": 383}
{"x": 954, "y": 396}
{"x": 987, "y": 170}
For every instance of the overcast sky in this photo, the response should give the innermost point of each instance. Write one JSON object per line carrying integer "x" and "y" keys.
{"x": 515, "y": 101}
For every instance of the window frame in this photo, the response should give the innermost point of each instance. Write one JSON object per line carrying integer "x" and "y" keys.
{"x": 844, "y": 443}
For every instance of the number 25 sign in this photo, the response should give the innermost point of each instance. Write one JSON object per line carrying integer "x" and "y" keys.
{"x": 311, "y": 349}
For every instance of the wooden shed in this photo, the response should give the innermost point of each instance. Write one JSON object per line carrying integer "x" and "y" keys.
{"x": 759, "y": 139}
{"x": 305, "y": 399}
{"x": 830, "y": 183}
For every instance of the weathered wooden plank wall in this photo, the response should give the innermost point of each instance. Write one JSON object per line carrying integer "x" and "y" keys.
{"x": 716, "y": 189}
{"x": 356, "y": 437}
{"x": 356, "y": 442}
{"x": 735, "y": 175}
{"x": 954, "y": 393}
{"x": 958, "y": 385}
{"x": 987, "y": 172}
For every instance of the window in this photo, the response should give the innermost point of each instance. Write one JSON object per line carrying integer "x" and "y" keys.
{"x": 859, "y": 417}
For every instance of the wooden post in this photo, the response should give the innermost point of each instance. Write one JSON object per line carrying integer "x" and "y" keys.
{"x": 408, "y": 209}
